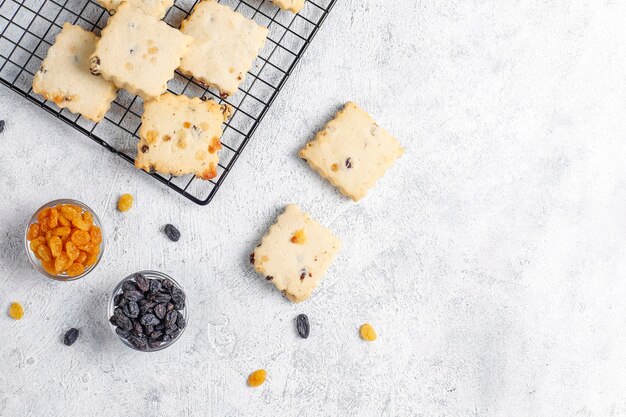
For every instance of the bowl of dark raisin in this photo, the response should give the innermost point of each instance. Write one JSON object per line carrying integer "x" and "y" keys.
{"x": 148, "y": 311}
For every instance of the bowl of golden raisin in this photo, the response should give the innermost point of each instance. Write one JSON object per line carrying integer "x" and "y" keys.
{"x": 64, "y": 240}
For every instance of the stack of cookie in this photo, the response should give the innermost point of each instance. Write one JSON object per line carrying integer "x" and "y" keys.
{"x": 140, "y": 53}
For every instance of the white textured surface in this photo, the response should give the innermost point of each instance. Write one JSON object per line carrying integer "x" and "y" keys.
{"x": 491, "y": 258}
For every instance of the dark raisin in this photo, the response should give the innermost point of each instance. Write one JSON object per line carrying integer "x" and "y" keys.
{"x": 167, "y": 283}
{"x": 145, "y": 307}
{"x": 302, "y": 324}
{"x": 145, "y": 149}
{"x": 155, "y": 286}
{"x": 180, "y": 321}
{"x": 148, "y": 330}
{"x": 2, "y": 123}
{"x": 122, "y": 333}
{"x": 133, "y": 309}
{"x": 142, "y": 282}
{"x": 139, "y": 342}
{"x": 223, "y": 95}
{"x": 170, "y": 330}
{"x": 170, "y": 319}
{"x": 70, "y": 337}
{"x": 160, "y": 310}
{"x": 165, "y": 338}
{"x": 117, "y": 299}
{"x": 349, "y": 163}
{"x": 160, "y": 298}
{"x": 159, "y": 327}
{"x": 133, "y": 296}
{"x": 155, "y": 335}
{"x": 171, "y": 232}
{"x": 118, "y": 311}
{"x": 175, "y": 333}
{"x": 269, "y": 277}
{"x": 123, "y": 322}
{"x": 178, "y": 296}
{"x": 179, "y": 306}
{"x": 137, "y": 328}
{"x": 252, "y": 258}
{"x": 170, "y": 306}
{"x": 302, "y": 274}
{"x": 153, "y": 344}
{"x": 129, "y": 286}
{"x": 150, "y": 319}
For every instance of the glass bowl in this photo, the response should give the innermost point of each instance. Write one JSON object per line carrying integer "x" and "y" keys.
{"x": 118, "y": 290}
{"x": 37, "y": 263}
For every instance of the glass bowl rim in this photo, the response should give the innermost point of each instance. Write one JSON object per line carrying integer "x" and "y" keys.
{"x": 151, "y": 274}
{"x": 37, "y": 264}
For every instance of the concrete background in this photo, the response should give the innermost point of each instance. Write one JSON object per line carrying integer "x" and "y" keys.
{"x": 490, "y": 258}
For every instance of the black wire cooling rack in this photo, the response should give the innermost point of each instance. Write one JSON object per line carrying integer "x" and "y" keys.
{"x": 28, "y": 28}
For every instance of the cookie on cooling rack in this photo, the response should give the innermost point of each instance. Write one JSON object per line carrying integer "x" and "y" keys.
{"x": 295, "y": 254}
{"x": 156, "y": 8}
{"x": 180, "y": 135}
{"x": 352, "y": 151}
{"x": 225, "y": 45}
{"x": 64, "y": 76}
{"x": 138, "y": 52}
{"x": 291, "y": 5}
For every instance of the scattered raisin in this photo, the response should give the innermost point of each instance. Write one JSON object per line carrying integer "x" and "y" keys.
{"x": 349, "y": 163}
{"x": 70, "y": 336}
{"x": 367, "y": 332}
{"x": 302, "y": 325}
{"x": 269, "y": 277}
{"x": 257, "y": 378}
{"x": 16, "y": 311}
{"x": 2, "y": 123}
{"x": 125, "y": 202}
{"x": 142, "y": 282}
{"x": 252, "y": 258}
{"x": 171, "y": 232}
{"x": 299, "y": 237}
{"x": 303, "y": 274}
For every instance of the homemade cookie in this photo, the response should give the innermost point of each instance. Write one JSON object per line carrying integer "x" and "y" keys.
{"x": 225, "y": 45}
{"x": 291, "y": 5}
{"x": 352, "y": 151}
{"x": 181, "y": 135}
{"x": 64, "y": 77}
{"x": 138, "y": 52}
{"x": 295, "y": 253}
{"x": 156, "y": 8}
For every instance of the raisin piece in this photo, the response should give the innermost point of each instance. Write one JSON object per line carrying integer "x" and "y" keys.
{"x": 153, "y": 344}
{"x": 129, "y": 286}
{"x": 159, "y": 298}
{"x": 170, "y": 306}
{"x": 160, "y": 310}
{"x": 133, "y": 295}
{"x": 70, "y": 337}
{"x": 180, "y": 321}
{"x": 122, "y": 333}
{"x": 142, "y": 282}
{"x": 33, "y": 231}
{"x": 137, "y": 328}
{"x": 178, "y": 296}
{"x": 2, "y": 123}
{"x": 139, "y": 342}
{"x": 252, "y": 258}
{"x": 148, "y": 330}
{"x": 16, "y": 311}
{"x": 167, "y": 284}
{"x": 349, "y": 163}
{"x": 170, "y": 319}
{"x": 299, "y": 237}
{"x": 117, "y": 299}
{"x": 155, "y": 335}
{"x": 125, "y": 202}
{"x": 155, "y": 286}
{"x": 302, "y": 325}
{"x": 269, "y": 277}
{"x": 367, "y": 332}
{"x": 257, "y": 378}
{"x": 150, "y": 319}
{"x": 132, "y": 309}
{"x": 171, "y": 232}
{"x": 123, "y": 322}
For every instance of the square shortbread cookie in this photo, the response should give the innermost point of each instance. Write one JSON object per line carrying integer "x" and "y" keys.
{"x": 156, "y": 8}
{"x": 181, "y": 135}
{"x": 352, "y": 151}
{"x": 295, "y": 253}
{"x": 64, "y": 77}
{"x": 225, "y": 45}
{"x": 291, "y": 5}
{"x": 138, "y": 52}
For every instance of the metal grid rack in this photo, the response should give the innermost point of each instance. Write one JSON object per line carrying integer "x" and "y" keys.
{"x": 28, "y": 28}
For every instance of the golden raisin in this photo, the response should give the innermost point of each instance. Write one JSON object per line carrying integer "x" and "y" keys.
{"x": 33, "y": 231}
{"x": 82, "y": 257}
{"x": 43, "y": 253}
{"x": 367, "y": 332}
{"x": 334, "y": 167}
{"x": 96, "y": 235}
{"x": 34, "y": 244}
{"x": 62, "y": 262}
{"x": 80, "y": 237}
{"x": 72, "y": 251}
{"x": 70, "y": 212}
{"x": 53, "y": 218}
{"x": 90, "y": 248}
{"x": 63, "y": 221}
{"x": 43, "y": 215}
{"x": 299, "y": 237}
{"x": 91, "y": 259}
{"x": 80, "y": 223}
{"x": 48, "y": 234}
{"x": 56, "y": 246}
{"x": 61, "y": 231}
{"x": 16, "y": 311}
{"x": 88, "y": 218}
{"x": 49, "y": 267}
{"x": 257, "y": 378}
{"x": 75, "y": 269}
{"x": 125, "y": 202}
